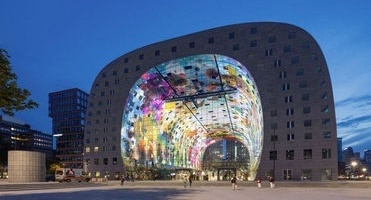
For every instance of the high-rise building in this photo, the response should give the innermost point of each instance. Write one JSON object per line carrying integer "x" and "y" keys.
{"x": 17, "y": 135}
{"x": 264, "y": 85}
{"x": 67, "y": 109}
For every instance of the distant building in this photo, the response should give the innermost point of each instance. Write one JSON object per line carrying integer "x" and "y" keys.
{"x": 367, "y": 156}
{"x": 340, "y": 148}
{"x": 265, "y": 85}
{"x": 17, "y": 135}
{"x": 67, "y": 109}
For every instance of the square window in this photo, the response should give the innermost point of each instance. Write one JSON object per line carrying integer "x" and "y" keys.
{"x": 306, "y": 110}
{"x": 272, "y": 39}
{"x": 273, "y": 155}
{"x": 327, "y": 135}
{"x": 253, "y": 43}
{"x": 173, "y": 49}
{"x": 231, "y": 35}
{"x": 141, "y": 57}
{"x": 307, "y": 154}
{"x": 157, "y": 52}
{"x": 307, "y": 136}
{"x": 210, "y": 40}
{"x": 253, "y": 30}
{"x": 326, "y": 153}
{"x": 191, "y": 45}
{"x": 236, "y": 47}
{"x": 289, "y": 154}
{"x": 307, "y": 123}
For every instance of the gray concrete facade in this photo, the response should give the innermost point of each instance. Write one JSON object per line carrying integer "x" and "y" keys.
{"x": 290, "y": 70}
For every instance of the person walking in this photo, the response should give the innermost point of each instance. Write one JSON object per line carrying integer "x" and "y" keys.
{"x": 259, "y": 181}
{"x": 271, "y": 182}
{"x": 234, "y": 183}
{"x": 190, "y": 180}
{"x": 185, "y": 181}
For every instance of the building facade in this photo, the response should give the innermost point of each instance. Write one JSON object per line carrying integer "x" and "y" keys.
{"x": 267, "y": 82}
{"x": 67, "y": 109}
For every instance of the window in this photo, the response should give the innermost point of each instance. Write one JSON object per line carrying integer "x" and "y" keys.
{"x": 113, "y": 148}
{"x": 307, "y": 123}
{"x": 210, "y": 40}
{"x": 96, "y": 161}
{"x": 126, "y": 70}
{"x": 326, "y": 153}
{"x": 236, "y": 47}
{"x": 290, "y": 124}
{"x": 283, "y": 75}
{"x": 326, "y": 174}
{"x": 157, "y": 52}
{"x": 324, "y": 109}
{"x": 295, "y": 60}
{"x": 324, "y": 96}
{"x": 303, "y": 84}
{"x": 254, "y": 30}
{"x": 300, "y": 72}
{"x": 114, "y": 161}
{"x": 268, "y": 52}
{"x": 192, "y": 45}
{"x": 306, "y": 110}
{"x": 326, "y": 122}
{"x": 114, "y": 73}
{"x": 289, "y": 111}
{"x": 137, "y": 68}
{"x": 306, "y": 174}
{"x": 288, "y": 99}
{"x": 273, "y": 155}
{"x": 141, "y": 56}
{"x": 286, "y": 87}
{"x": 173, "y": 49}
{"x": 274, "y": 138}
{"x": 277, "y": 63}
{"x": 87, "y": 149}
{"x": 105, "y": 161}
{"x": 253, "y": 43}
{"x": 289, "y": 154}
{"x": 126, "y": 60}
{"x": 272, "y": 39}
{"x": 287, "y": 48}
{"x": 96, "y": 149}
{"x": 290, "y": 137}
{"x": 305, "y": 97}
{"x": 307, "y": 154}
{"x": 291, "y": 35}
{"x": 231, "y": 35}
{"x": 307, "y": 136}
{"x": 287, "y": 174}
{"x": 326, "y": 135}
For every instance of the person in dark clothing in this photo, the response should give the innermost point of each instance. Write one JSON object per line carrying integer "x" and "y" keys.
{"x": 190, "y": 180}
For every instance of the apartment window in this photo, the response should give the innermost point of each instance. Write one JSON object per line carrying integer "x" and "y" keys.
{"x": 300, "y": 72}
{"x": 273, "y": 155}
{"x": 288, "y": 99}
{"x": 277, "y": 63}
{"x": 326, "y": 153}
{"x": 114, "y": 73}
{"x": 324, "y": 109}
{"x": 253, "y": 43}
{"x": 268, "y": 52}
{"x": 210, "y": 40}
{"x": 96, "y": 149}
{"x": 96, "y": 161}
{"x": 324, "y": 96}
{"x": 87, "y": 141}
{"x": 236, "y": 47}
{"x": 307, "y": 154}
{"x": 289, "y": 111}
{"x": 113, "y": 148}
{"x": 289, "y": 154}
{"x": 305, "y": 97}
{"x": 106, "y": 84}
{"x": 291, "y": 137}
{"x": 290, "y": 124}
{"x": 287, "y": 48}
{"x": 157, "y": 52}
{"x": 126, "y": 60}
{"x": 272, "y": 39}
{"x": 274, "y": 138}
{"x": 254, "y": 30}
{"x": 326, "y": 135}
{"x": 303, "y": 84}
{"x": 291, "y": 35}
{"x": 286, "y": 87}
{"x": 191, "y": 45}
{"x": 325, "y": 122}
{"x": 283, "y": 75}
{"x": 141, "y": 56}
{"x": 307, "y": 136}
{"x": 306, "y": 174}
{"x": 231, "y": 35}
{"x": 87, "y": 150}
{"x": 306, "y": 110}
{"x": 287, "y": 174}
{"x": 307, "y": 123}
{"x": 96, "y": 140}
{"x": 173, "y": 49}
{"x": 105, "y": 161}
{"x": 87, "y": 161}
{"x": 103, "y": 75}
{"x": 323, "y": 83}
{"x": 294, "y": 60}
{"x": 105, "y": 139}
{"x": 126, "y": 70}
{"x": 137, "y": 68}
{"x": 114, "y": 161}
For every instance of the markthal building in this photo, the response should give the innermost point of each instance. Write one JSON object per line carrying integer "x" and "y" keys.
{"x": 244, "y": 100}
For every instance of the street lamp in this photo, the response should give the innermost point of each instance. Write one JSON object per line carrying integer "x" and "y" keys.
{"x": 354, "y": 165}
{"x": 14, "y": 138}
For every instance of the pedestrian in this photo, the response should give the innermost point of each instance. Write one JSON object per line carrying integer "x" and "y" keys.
{"x": 271, "y": 181}
{"x": 259, "y": 181}
{"x": 234, "y": 183}
{"x": 185, "y": 181}
{"x": 190, "y": 180}
{"x": 122, "y": 179}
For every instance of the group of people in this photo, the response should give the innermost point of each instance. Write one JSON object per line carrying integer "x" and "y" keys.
{"x": 270, "y": 179}
{"x": 187, "y": 180}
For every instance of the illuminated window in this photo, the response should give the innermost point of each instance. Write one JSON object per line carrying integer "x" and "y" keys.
{"x": 87, "y": 149}
{"x": 96, "y": 149}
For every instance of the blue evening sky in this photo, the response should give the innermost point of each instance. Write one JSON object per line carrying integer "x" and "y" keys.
{"x": 61, "y": 44}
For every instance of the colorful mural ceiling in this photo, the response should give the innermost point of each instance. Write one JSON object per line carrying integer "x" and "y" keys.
{"x": 178, "y": 108}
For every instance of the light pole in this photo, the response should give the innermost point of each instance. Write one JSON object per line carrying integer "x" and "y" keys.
{"x": 354, "y": 165}
{"x": 14, "y": 137}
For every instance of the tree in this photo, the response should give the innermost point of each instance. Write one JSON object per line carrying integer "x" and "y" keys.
{"x": 12, "y": 98}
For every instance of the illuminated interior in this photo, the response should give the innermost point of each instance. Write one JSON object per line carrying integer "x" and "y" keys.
{"x": 180, "y": 107}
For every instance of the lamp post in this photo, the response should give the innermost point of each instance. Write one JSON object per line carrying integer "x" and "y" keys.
{"x": 14, "y": 138}
{"x": 354, "y": 165}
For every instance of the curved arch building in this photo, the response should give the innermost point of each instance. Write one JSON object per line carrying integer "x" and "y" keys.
{"x": 258, "y": 95}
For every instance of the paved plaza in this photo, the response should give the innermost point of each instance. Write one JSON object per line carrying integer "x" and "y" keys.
{"x": 176, "y": 191}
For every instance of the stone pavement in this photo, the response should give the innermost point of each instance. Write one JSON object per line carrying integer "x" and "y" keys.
{"x": 200, "y": 191}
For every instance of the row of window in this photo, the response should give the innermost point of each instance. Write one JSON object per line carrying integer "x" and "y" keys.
{"x": 307, "y": 136}
{"x": 306, "y": 174}
{"x": 105, "y": 161}
{"x": 97, "y": 149}
{"x": 307, "y": 154}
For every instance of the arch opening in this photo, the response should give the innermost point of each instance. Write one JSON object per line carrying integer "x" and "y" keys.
{"x": 177, "y": 109}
